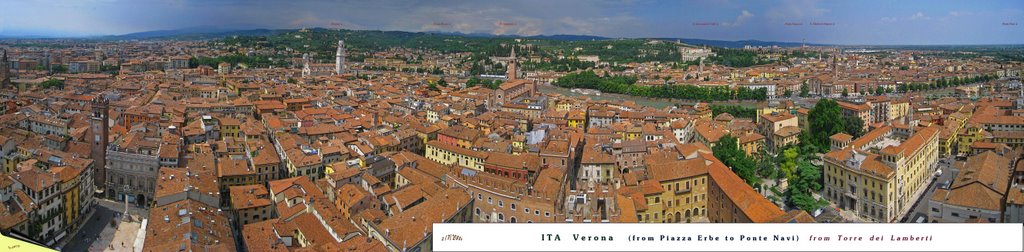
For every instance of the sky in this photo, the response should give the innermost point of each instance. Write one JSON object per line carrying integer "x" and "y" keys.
{"x": 869, "y": 22}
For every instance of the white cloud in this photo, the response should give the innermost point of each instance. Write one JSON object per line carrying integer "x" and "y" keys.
{"x": 919, "y": 16}
{"x": 742, "y": 18}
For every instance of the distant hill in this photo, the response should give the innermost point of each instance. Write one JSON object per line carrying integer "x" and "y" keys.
{"x": 191, "y": 33}
{"x": 741, "y": 43}
{"x": 212, "y": 33}
{"x": 564, "y": 37}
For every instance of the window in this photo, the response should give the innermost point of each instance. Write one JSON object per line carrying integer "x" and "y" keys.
{"x": 512, "y": 206}
{"x": 527, "y": 210}
{"x": 536, "y": 212}
{"x": 489, "y": 200}
{"x": 512, "y": 219}
{"x": 477, "y": 211}
{"x": 547, "y": 214}
{"x": 501, "y": 203}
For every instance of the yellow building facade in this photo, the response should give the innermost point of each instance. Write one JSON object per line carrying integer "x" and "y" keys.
{"x": 877, "y": 176}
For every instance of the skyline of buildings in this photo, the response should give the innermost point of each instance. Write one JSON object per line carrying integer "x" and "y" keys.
{"x": 263, "y": 144}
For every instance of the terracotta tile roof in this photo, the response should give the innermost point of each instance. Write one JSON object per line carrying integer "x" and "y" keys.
{"x": 249, "y": 196}
{"x": 189, "y": 225}
{"x": 263, "y": 153}
{"x": 841, "y": 137}
{"x": 410, "y": 226}
{"x": 627, "y": 210}
{"x": 461, "y": 132}
{"x": 674, "y": 170}
{"x": 230, "y": 167}
{"x": 749, "y": 202}
{"x": 777, "y": 117}
{"x": 914, "y": 143}
{"x": 595, "y": 155}
{"x": 788, "y": 131}
{"x": 260, "y": 236}
{"x": 651, "y": 187}
{"x": 36, "y": 179}
{"x": 506, "y": 160}
{"x": 869, "y": 137}
{"x": 710, "y": 131}
{"x": 296, "y": 187}
{"x": 1015, "y": 195}
{"x": 794, "y": 216}
{"x": 458, "y": 150}
{"x": 980, "y": 183}
{"x": 854, "y": 106}
{"x": 750, "y": 137}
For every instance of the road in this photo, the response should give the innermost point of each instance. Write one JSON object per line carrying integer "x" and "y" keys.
{"x": 920, "y": 207}
{"x": 105, "y": 211}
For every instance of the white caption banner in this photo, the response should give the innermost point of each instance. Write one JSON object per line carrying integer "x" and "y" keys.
{"x": 728, "y": 237}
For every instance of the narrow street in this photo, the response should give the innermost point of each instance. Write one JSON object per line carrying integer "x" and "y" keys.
{"x": 920, "y": 207}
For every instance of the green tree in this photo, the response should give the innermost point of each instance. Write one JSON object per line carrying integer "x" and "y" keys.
{"x": 766, "y": 164}
{"x": 806, "y": 181}
{"x": 805, "y": 90}
{"x": 734, "y": 110}
{"x": 825, "y": 120}
{"x": 493, "y": 85}
{"x": 59, "y": 69}
{"x": 846, "y": 92}
{"x": 727, "y": 150}
{"x": 854, "y": 126}
{"x": 52, "y": 83}
{"x": 879, "y": 90}
{"x": 472, "y": 82}
{"x": 788, "y": 165}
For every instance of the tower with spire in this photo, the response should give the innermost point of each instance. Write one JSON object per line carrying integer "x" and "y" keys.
{"x": 5, "y": 71}
{"x": 307, "y": 70}
{"x": 339, "y": 58}
{"x": 835, "y": 63}
{"x": 100, "y": 131}
{"x": 513, "y": 72}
